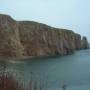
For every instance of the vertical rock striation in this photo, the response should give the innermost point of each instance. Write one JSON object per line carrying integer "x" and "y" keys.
{"x": 27, "y": 38}
{"x": 10, "y": 45}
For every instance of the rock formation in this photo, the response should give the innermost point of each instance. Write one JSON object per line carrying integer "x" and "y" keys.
{"x": 27, "y": 38}
{"x": 85, "y": 44}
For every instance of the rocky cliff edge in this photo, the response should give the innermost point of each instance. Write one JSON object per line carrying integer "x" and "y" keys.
{"x": 20, "y": 39}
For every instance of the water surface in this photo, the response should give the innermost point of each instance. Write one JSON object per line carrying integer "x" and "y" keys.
{"x": 72, "y": 70}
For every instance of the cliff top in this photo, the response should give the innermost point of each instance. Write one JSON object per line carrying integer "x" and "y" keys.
{"x": 4, "y": 17}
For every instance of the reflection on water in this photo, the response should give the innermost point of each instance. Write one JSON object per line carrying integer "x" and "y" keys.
{"x": 72, "y": 70}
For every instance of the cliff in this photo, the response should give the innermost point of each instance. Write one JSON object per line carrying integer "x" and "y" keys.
{"x": 27, "y": 38}
{"x": 84, "y": 43}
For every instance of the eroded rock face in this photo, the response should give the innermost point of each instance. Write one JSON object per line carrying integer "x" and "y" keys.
{"x": 40, "y": 40}
{"x": 27, "y": 38}
{"x": 85, "y": 44}
{"x": 10, "y": 45}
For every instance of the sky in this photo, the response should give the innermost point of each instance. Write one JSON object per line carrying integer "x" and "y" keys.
{"x": 68, "y": 14}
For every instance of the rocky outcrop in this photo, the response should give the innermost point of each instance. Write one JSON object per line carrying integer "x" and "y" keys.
{"x": 27, "y": 38}
{"x": 10, "y": 45}
{"x": 85, "y": 44}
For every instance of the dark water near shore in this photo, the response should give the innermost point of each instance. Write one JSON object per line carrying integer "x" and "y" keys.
{"x": 72, "y": 70}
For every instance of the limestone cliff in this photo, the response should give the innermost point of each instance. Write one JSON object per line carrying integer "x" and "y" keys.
{"x": 28, "y": 38}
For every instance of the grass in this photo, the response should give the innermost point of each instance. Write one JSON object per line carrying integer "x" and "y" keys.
{"x": 8, "y": 82}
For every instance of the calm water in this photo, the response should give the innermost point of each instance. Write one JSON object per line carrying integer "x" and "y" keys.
{"x": 72, "y": 70}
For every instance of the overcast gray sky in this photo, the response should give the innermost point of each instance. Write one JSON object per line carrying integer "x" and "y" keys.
{"x": 69, "y": 14}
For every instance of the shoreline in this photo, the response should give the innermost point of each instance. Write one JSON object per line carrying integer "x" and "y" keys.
{"x": 37, "y": 57}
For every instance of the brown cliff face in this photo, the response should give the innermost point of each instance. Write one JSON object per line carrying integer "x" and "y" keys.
{"x": 85, "y": 44}
{"x": 77, "y": 42}
{"x": 10, "y": 45}
{"x": 40, "y": 40}
{"x": 27, "y": 38}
